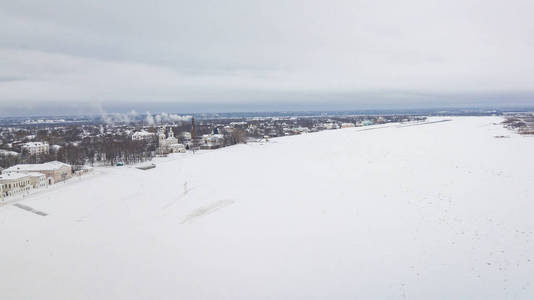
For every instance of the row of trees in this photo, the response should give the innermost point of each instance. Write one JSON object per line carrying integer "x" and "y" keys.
{"x": 7, "y": 161}
{"x": 237, "y": 136}
{"x": 106, "y": 150}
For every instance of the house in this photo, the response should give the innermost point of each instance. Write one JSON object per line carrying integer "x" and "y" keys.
{"x": 212, "y": 141}
{"x": 143, "y": 136}
{"x": 331, "y": 125}
{"x": 347, "y": 125}
{"x": 176, "y": 148}
{"x": 35, "y": 148}
{"x": 186, "y": 136}
{"x": 55, "y": 148}
{"x": 300, "y": 130}
{"x": 54, "y": 171}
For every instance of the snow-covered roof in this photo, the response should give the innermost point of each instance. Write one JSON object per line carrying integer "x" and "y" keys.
{"x": 34, "y": 144}
{"x": 213, "y": 136}
{"x": 12, "y": 176}
{"x": 48, "y": 166}
{"x": 143, "y": 133}
{"x": 7, "y": 152}
{"x": 33, "y": 174}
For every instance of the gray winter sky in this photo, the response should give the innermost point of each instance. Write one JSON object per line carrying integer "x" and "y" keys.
{"x": 277, "y": 54}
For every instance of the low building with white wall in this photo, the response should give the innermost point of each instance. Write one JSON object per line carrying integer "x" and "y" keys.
{"x": 14, "y": 184}
{"x": 37, "y": 180}
{"x": 143, "y": 136}
{"x": 212, "y": 141}
{"x": 55, "y": 171}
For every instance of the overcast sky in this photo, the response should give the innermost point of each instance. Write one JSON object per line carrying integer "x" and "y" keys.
{"x": 240, "y": 55}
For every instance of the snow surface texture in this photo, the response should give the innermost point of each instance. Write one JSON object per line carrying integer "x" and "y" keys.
{"x": 441, "y": 210}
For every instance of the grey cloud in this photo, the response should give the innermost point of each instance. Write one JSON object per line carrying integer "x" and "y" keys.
{"x": 7, "y": 78}
{"x": 259, "y": 52}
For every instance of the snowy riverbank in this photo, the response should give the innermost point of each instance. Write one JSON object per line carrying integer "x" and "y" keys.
{"x": 441, "y": 210}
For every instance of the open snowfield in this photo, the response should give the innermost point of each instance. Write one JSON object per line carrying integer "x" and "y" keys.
{"x": 434, "y": 211}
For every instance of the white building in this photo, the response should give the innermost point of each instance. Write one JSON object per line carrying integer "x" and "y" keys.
{"x": 13, "y": 184}
{"x": 54, "y": 171}
{"x": 35, "y": 148}
{"x": 55, "y": 148}
{"x": 143, "y": 136}
{"x": 37, "y": 180}
{"x": 176, "y": 148}
{"x": 212, "y": 141}
{"x": 301, "y": 130}
{"x": 347, "y": 125}
{"x": 169, "y": 144}
{"x": 186, "y": 136}
{"x": 331, "y": 125}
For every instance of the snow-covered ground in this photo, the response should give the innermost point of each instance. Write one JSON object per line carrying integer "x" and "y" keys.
{"x": 442, "y": 210}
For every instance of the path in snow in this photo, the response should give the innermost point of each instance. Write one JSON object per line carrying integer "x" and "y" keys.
{"x": 37, "y": 212}
{"x": 202, "y": 211}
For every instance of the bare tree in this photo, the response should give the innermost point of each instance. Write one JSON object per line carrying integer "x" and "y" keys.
{"x": 237, "y": 136}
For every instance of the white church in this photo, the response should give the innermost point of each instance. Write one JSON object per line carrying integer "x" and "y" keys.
{"x": 169, "y": 144}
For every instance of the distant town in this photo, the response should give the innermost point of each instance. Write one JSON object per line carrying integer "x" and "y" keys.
{"x": 41, "y": 151}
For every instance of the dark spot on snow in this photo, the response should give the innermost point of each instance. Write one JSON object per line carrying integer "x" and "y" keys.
{"x": 27, "y": 208}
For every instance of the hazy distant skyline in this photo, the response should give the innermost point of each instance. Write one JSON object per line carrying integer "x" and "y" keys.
{"x": 264, "y": 55}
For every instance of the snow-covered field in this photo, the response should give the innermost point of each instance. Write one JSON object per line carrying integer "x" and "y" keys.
{"x": 442, "y": 210}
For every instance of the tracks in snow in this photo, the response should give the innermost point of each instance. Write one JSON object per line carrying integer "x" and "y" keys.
{"x": 206, "y": 210}
{"x": 30, "y": 209}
